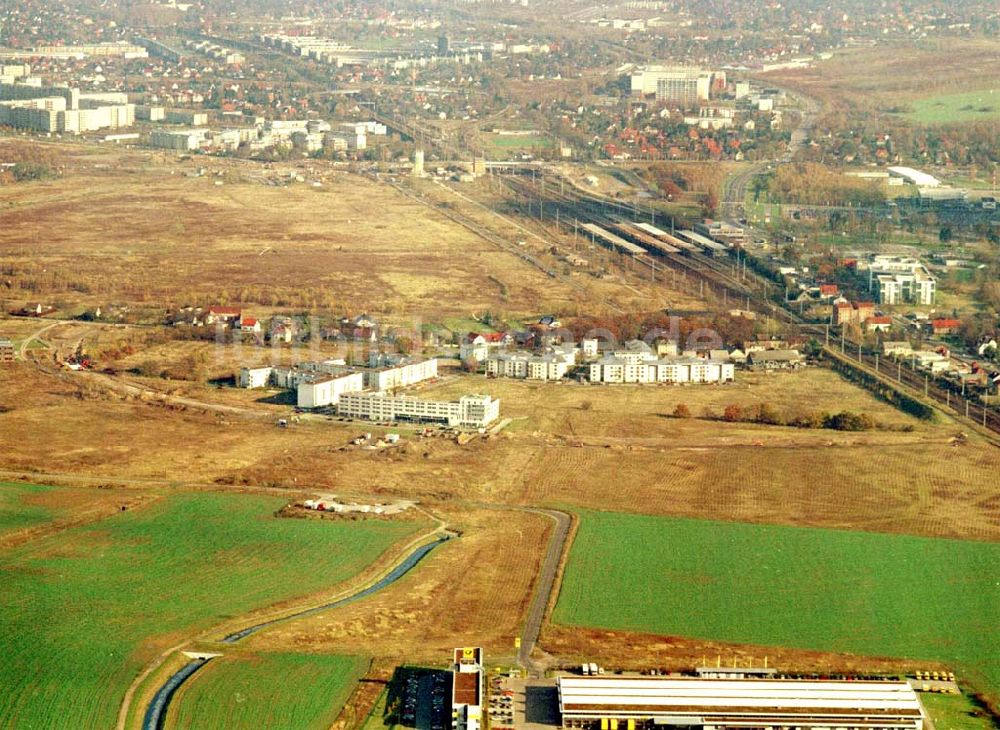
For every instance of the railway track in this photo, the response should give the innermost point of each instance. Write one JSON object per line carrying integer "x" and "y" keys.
{"x": 576, "y": 207}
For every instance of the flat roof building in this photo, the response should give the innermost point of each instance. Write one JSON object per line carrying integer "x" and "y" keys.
{"x": 469, "y": 411}
{"x": 467, "y": 689}
{"x": 614, "y": 703}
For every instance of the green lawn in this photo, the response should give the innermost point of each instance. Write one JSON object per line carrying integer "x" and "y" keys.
{"x": 267, "y": 691}
{"x": 14, "y": 513}
{"x": 518, "y": 141}
{"x": 831, "y": 590}
{"x": 955, "y": 712}
{"x": 376, "y": 719}
{"x": 85, "y": 609}
{"x": 970, "y": 106}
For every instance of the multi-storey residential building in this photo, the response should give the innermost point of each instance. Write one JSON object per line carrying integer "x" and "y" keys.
{"x": 901, "y": 280}
{"x": 547, "y": 366}
{"x": 614, "y": 369}
{"x": 470, "y": 411}
{"x": 327, "y": 390}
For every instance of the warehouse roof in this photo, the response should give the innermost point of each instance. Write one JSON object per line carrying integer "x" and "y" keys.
{"x": 730, "y": 696}
{"x": 921, "y": 179}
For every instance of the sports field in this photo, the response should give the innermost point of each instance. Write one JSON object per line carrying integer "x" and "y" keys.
{"x": 267, "y": 690}
{"x": 831, "y": 590}
{"x": 84, "y": 609}
{"x": 970, "y": 106}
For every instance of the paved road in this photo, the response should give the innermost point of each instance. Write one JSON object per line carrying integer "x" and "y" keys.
{"x": 545, "y": 588}
{"x": 735, "y": 189}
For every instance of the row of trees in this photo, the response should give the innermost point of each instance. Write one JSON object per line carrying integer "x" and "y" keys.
{"x": 767, "y": 414}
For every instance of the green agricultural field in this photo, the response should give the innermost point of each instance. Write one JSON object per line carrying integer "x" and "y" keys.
{"x": 864, "y": 593}
{"x": 83, "y": 610}
{"x": 956, "y": 712}
{"x": 267, "y": 690}
{"x": 970, "y": 106}
{"x": 518, "y": 141}
{"x": 15, "y": 514}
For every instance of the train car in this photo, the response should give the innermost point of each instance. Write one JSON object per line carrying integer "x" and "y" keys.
{"x": 712, "y": 248}
{"x": 670, "y": 240}
{"x": 612, "y": 241}
{"x": 643, "y": 238}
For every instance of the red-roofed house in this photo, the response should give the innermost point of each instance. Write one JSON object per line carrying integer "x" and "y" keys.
{"x": 250, "y": 325}
{"x": 945, "y": 326}
{"x": 828, "y": 290}
{"x": 878, "y": 323}
{"x": 227, "y": 315}
{"x": 845, "y": 312}
{"x": 478, "y": 346}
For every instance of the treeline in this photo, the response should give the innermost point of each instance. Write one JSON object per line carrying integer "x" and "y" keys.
{"x": 882, "y": 390}
{"x": 661, "y": 325}
{"x": 814, "y": 184}
{"x": 767, "y": 414}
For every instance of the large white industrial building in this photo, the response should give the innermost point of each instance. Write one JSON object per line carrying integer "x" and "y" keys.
{"x": 617, "y": 703}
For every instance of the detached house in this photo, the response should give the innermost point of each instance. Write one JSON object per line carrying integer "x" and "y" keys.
{"x": 479, "y": 347}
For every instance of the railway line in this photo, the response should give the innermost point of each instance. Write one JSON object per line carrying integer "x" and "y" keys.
{"x": 664, "y": 255}
{"x": 576, "y": 208}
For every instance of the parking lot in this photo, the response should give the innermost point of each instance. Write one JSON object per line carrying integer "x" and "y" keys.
{"x": 425, "y": 699}
{"x": 533, "y": 703}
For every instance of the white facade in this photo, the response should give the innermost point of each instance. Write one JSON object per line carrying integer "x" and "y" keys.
{"x": 402, "y": 375}
{"x": 899, "y": 280}
{"x": 585, "y": 702}
{"x": 613, "y": 369}
{"x": 526, "y": 365}
{"x": 471, "y": 411}
{"x": 255, "y": 377}
{"x": 327, "y": 390}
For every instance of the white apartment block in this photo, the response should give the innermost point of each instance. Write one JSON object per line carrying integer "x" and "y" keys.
{"x": 901, "y": 280}
{"x": 401, "y": 375}
{"x": 62, "y": 109}
{"x": 320, "y": 384}
{"x": 184, "y": 140}
{"x": 327, "y": 390}
{"x": 612, "y": 369}
{"x": 189, "y": 117}
{"x": 469, "y": 411}
{"x": 526, "y": 365}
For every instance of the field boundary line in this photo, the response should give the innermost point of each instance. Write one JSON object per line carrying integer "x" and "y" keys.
{"x": 383, "y": 569}
{"x": 97, "y": 513}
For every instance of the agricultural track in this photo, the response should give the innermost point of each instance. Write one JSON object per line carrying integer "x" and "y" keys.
{"x": 546, "y": 588}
